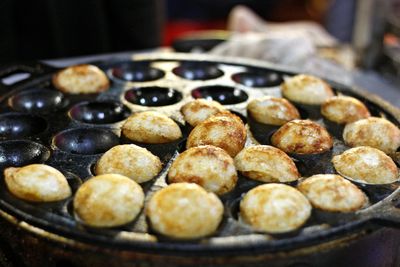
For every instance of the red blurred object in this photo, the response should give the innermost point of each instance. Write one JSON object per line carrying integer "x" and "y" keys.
{"x": 178, "y": 28}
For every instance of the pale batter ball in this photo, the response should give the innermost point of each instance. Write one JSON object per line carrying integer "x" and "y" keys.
{"x": 37, "y": 183}
{"x": 266, "y": 164}
{"x": 332, "y": 193}
{"x": 274, "y": 208}
{"x": 199, "y": 110}
{"x": 132, "y": 161}
{"x": 208, "y": 166}
{"x": 151, "y": 127}
{"x": 366, "y": 165}
{"x": 184, "y": 211}
{"x": 81, "y": 79}
{"x": 226, "y": 131}
{"x": 344, "y": 109}
{"x": 374, "y": 132}
{"x": 306, "y": 89}
{"x": 108, "y": 200}
{"x": 302, "y": 137}
{"x": 272, "y": 110}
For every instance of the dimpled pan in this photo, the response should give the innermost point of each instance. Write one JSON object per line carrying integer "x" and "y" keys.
{"x": 39, "y": 124}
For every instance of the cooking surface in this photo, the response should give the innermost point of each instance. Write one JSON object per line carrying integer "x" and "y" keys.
{"x": 70, "y": 134}
{"x": 368, "y": 80}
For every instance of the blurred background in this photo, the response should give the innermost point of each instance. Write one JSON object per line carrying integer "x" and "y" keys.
{"x": 350, "y": 33}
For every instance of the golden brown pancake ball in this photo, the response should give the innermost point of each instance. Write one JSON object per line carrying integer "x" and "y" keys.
{"x": 302, "y": 137}
{"x": 332, "y": 193}
{"x": 272, "y": 110}
{"x": 108, "y": 200}
{"x": 199, "y": 110}
{"x": 344, "y": 109}
{"x": 366, "y": 165}
{"x": 274, "y": 208}
{"x": 266, "y": 164}
{"x": 151, "y": 127}
{"x": 81, "y": 79}
{"x": 374, "y": 132}
{"x": 226, "y": 131}
{"x": 184, "y": 211}
{"x": 208, "y": 166}
{"x": 132, "y": 161}
{"x": 306, "y": 89}
{"x": 37, "y": 183}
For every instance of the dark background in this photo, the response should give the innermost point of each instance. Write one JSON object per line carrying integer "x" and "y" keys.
{"x": 45, "y": 29}
{"x": 42, "y": 29}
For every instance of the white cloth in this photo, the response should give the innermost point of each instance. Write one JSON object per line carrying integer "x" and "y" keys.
{"x": 274, "y": 47}
{"x": 293, "y": 44}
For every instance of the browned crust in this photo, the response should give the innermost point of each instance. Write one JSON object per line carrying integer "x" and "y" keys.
{"x": 270, "y": 114}
{"x": 350, "y": 109}
{"x": 136, "y": 128}
{"x": 190, "y": 222}
{"x": 299, "y": 130}
{"x": 364, "y": 133}
{"x": 319, "y": 184}
{"x": 234, "y": 133}
{"x": 304, "y": 81}
{"x": 198, "y": 105}
{"x": 122, "y": 159}
{"x": 91, "y": 208}
{"x": 350, "y": 165}
{"x": 275, "y": 220}
{"x": 81, "y": 69}
{"x": 220, "y": 169}
{"x": 260, "y": 154}
{"x": 32, "y": 193}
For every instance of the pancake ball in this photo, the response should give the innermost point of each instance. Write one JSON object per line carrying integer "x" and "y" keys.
{"x": 208, "y": 166}
{"x": 332, "y": 193}
{"x": 184, "y": 211}
{"x": 344, "y": 109}
{"x": 81, "y": 79}
{"x": 274, "y": 208}
{"x": 131, "y": 161}
{"x": 226, "y": 131}
{"x": 108, "y": 200}
{"x": 151, "y": 127}
{"x": 366, "y": 165}
{"x": 266, "y": 164}
{"x": 306, "y": 89}
{"x": 272, "y": 110}
{"x": 374, "y": 132}
{"x": 198, "y": 110}
{"x": 302, "y": 137}
{"x": 37, "y": 183}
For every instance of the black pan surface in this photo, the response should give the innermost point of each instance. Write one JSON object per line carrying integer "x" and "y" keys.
{"x": 71, "y": 132}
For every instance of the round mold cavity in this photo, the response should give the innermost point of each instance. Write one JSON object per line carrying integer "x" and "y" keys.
{"x": 73, "y": 180}
{"x": 258, "y": 78}
{"x": 241, "y": 116}
{"x": 198, "y": 71}
{"x": 18, "y": 125}
{"x": 99, "y": 112}
{"x": 136, "y": 72}
{"x": 18, "y": 153}
{"x": 153, "y": 96}
{"x": 223, "y": 94}
{"x": 234, "y": 207}
{"x": 85, "y": 141}
{"x": 38, "y": 101}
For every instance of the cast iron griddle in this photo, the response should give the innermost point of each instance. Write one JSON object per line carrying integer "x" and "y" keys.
{"x": 39, "y": 124}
